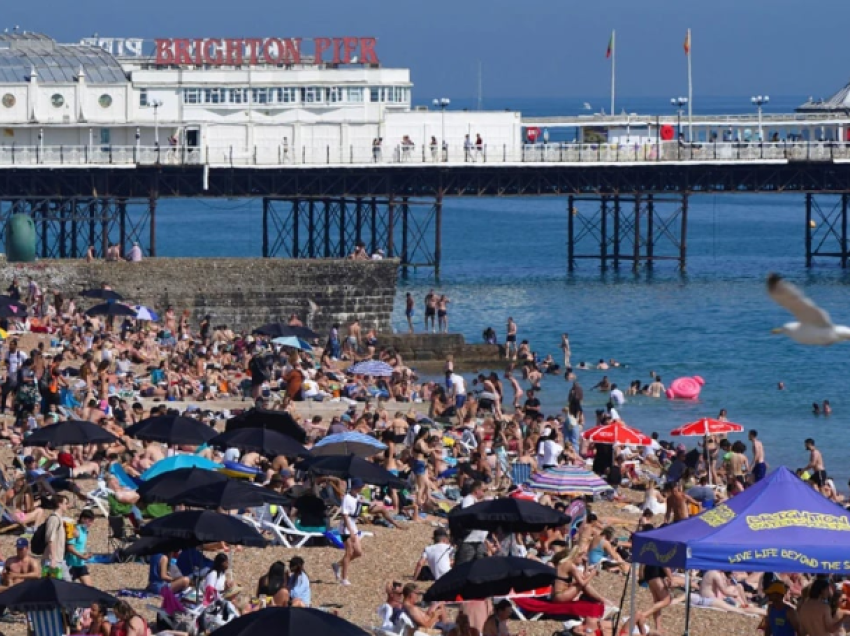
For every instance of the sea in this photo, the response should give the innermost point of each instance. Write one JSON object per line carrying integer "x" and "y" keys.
{"x": 508, "y": 257}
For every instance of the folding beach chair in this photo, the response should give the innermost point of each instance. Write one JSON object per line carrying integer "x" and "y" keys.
{"x": 288, "y": 534}
{"x": 100, "y": 497}
{"x": 520, "y": 473}
{"x": 529, "y": 608}
{"x": 46, "y": 622}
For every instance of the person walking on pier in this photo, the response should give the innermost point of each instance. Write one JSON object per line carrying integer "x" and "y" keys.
{"x": 467, "y": 149}
{"x": 510, "y": 339}
{"x": 479, "y": 147}
{"x": 376, "y": 149}
{"x": 434, "y": 148}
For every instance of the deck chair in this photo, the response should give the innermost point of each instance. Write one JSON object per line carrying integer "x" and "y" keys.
{"x": 100, "y": 497}
{"x": 120, "y": 535}
{"x": 537, "y": 608}
{"x": 123, "y": 478}
{"x": 286, "y": 532}
{"x": 46, "y": 622}
{"x": 520, "y": 473}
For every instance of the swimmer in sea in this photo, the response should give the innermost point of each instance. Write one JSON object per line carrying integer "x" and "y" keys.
{"x": 602, "y": 365}
{"x": 656, "y": 389}
{"x": 827, "y": 409}
{"x": 780, "y": 386}
{"x": 815, "y": 408}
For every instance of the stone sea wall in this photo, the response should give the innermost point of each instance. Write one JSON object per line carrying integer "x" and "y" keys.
{"x": 242, "y": 293}
{"x": 425, "y": 347}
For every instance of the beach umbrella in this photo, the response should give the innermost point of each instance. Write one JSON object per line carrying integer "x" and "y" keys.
{"x": 349, "y": 467}
{"x": 706, "y": 426}
{"x": 569, "y": 480}
{"x": 145, "y": 313}
{"x": 617, "y": 432}
{"x": 111, "y": 309}
{"x": 509, "y": 514}
{"x": 204, "y": 526}
{"x": 101, "y": 294}
{"x": 289, "y": 621}
{"x": 148, "y": 546}
{"x": 172, "y": 429}
{"x": 48, "y": 593}
{"x": 294, "y": 342}
{"x": 493, "y": 576}
{"x": 201, "y": 488}
{"x": 179, "y": 461}
{"x": 8, "y": 301}
{"x": 70, "y": 433}
{"x": 279, "y": 421}
{"x": 280, "y": 330}
{"x": 260, "y": 440}
{"x": 16, "y": 310}
{"x": 374, "y": 368}
{"x": 349, "y": 443}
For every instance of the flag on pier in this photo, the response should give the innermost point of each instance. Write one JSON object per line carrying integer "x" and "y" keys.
{"x": 610, "y": 50}
{"x": 687, "y": 45}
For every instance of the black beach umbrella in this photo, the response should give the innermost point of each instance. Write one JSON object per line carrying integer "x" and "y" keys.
{"x": 349, "y": 467}
{"x": 289, "y": 621}
{"x": 101, "y": 294}
{"x": 206, "y": 489}
{"x": 111, "y": 309}
{"x": 8, "y": 301}
{"x": 42, "y": 594}
{"x": 493, "y": 576}
{"x": 205, "y": 526}
{"x": 172, "y": 429}
{"x": 148, "y": 546}
{"x": 281, "y": 330}
{"x": 70, "y": 433}
{"x": 260, "y": 440}
{"x": 509, "y": 514}
{"x": 13, "y": 310}
{"x": 279, "y": 421}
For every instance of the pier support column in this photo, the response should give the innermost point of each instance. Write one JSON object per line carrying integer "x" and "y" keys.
{"x": 650, "y": 230}
{"x": 683, "y": 234}
{"x": 571, "y": 239}
{"x": 122, "y": 225}
{"x": 826, "y": 227}
{"x": 152, "y": 237}
{"x": 405, "y": 209}
{"x": 616, "y": 231}
{"x": 636, "y": 240}
{"x": 808, "y": 229}
{"x": 844, "y": 198}
{"x": 265, "y": 227}
{"x": 603, "y": 233}
{"x": 438, "y": 233}
{"x": 390, "y": 227}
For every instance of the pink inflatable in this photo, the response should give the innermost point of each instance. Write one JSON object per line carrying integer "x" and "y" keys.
{"x": 685, "y": 388}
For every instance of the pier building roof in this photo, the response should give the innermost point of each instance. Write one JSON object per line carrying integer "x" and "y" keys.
{"x": 21, "y": 54}
{"x": 839, "y": 102}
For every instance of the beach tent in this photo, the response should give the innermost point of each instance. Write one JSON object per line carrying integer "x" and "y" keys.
{"x": 780, "y": 524}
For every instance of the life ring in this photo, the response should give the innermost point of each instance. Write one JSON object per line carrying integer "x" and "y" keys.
{"x": 667, "y": 132}
{"x": 532, "y": 133}
{"x": 685, "y": 388}
{"x": 240, "y": 471}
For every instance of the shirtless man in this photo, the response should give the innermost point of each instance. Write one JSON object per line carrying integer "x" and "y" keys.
{"x": 815, "y": 465}
{"x": 759, "y": 464}
{"x": 510, "y": 339}
{"x": 656, "y": 389}
{"x": 352, "y": 343}
{"x": 677, "y": 502}
{"x": 22, "y": 566}
{"x": 516, "y": 387}
{"x": 431, "y": 311}
{"x": 422, "y": 619}
{"x": 715, "y": 584}
{"x": 815, "y": 614}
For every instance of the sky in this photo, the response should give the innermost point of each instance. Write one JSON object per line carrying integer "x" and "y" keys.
{"x": 528, "y": 48}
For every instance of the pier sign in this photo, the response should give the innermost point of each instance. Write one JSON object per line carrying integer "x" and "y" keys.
{"x": 252, "y": 51}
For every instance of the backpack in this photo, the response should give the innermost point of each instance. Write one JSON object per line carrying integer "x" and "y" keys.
{"x": 38, "y": 543}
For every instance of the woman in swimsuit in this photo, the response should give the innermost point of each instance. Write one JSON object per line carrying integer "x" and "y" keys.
{"x": 658, "y": 580}
{"x": 571, "y": 582}
{"x": 421, "y": 452}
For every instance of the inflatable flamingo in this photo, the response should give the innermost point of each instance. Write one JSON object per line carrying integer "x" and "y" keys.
{"x": 685, "y": 388}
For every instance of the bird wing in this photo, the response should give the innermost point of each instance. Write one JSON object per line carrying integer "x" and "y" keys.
{"x": 794, "y": 300}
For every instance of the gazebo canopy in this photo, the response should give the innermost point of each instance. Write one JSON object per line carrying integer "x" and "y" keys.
{"x": 780, "y": 524}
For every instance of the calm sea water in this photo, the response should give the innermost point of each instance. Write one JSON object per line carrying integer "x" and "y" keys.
{"x": 507, "y": 257}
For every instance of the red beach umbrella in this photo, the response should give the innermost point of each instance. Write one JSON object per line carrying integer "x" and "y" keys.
{"x": 706, "y": 426}
{"x": 617, "y": 432}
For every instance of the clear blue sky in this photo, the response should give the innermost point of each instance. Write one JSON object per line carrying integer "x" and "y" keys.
{"x": 530, "y": 48}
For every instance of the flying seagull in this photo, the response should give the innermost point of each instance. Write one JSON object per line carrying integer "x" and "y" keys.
{"x": 815, "y": 326}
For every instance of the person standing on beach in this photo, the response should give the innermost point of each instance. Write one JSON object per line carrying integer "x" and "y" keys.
{"x": 408, "y": 311}
{"x": 350, "y": 510}
{"x": 510, "y": 339}
{"x": 431, "y": 311}
{"x": 759, "y": 464}
{"x": 815, "y": 465}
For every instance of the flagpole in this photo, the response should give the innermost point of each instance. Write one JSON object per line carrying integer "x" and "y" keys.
{"x": 613, "y": 68}
{"x": 690, "y": 92}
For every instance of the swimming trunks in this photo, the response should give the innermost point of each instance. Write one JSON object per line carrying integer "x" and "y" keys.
{"x": 441, "y": 313}
{"x": 511, "y": 337}
{"x": 818, "y": 478}
{"x": 429, "y": 312}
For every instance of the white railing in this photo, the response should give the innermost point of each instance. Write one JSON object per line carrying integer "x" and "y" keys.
{"x": 334, "y": 155}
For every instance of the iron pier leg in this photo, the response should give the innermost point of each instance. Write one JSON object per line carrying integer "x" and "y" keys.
{"x": 683, "y": 244}
{"x": 438, "y": 233}
{"x": 122, "y": 224}
{"x": 328, "y": 214}
{"x": 617, "y": 232}
{"x": 63, "y": 230}
{"x": 152, "y": 205}
{"x": 808, "y": 229}
{"x": 571, "y": 245}
{"x": 45, "y": 226}
{"x": 311, "y": 229}
{"x": 105, "y": 206}
{"x": 844, "y": 197}
{"x": 603, "y": 233}
{"x": 73, "y": 208}
{"x": 405, "y": 210}
{"x": 650, "y": 230}
{"x": 295, "y": 212}
{"x": 358, "y": 220}
{"x": 374, "y": 210}
{"x": 636, "y": 247}
{"x": 342, "y": 251}
{"x": 390, "y": 226}
{"x": 265, "y": 227}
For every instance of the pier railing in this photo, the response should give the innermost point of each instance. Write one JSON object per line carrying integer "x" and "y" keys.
{"x": 565, "y": 153}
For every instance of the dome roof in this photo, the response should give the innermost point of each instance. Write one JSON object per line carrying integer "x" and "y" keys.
{"x": 53, "y": 63}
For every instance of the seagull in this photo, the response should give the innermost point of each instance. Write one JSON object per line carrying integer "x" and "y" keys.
{"x": 815, "y": 326}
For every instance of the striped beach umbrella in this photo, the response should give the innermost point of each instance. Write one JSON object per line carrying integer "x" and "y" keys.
{"x": 351, "y": 443}
{"x": 375, "y": 368}
{"x": 145, "y": 313}
{"x": 569, "y": 480}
